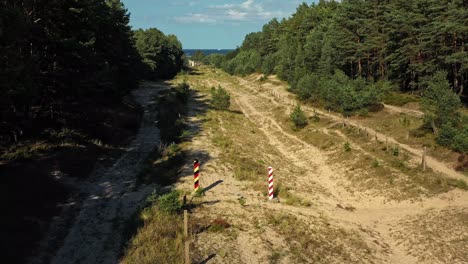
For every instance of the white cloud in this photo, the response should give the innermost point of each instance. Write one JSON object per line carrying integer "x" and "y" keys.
{"x": 196, "y": 18}
{"x": 236, "y": 15}
{"x": 249, "y": 10}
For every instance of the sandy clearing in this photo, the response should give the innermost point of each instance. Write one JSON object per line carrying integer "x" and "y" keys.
{"x": 372, "y": 214}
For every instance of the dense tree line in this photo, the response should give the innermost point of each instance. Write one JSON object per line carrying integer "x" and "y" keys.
{"x": 404, "y": 41}
{"x": 347, "y": 54}
{"x": 54, "y": 53}
{"x": 162, "y": 55}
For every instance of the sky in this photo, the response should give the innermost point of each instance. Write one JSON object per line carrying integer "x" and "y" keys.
{"x": 208, "y": 24}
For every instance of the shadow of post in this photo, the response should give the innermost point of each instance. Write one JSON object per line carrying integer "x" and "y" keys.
{"x": 214, "y": 184}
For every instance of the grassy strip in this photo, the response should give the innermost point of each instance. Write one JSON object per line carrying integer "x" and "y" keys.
{"x": 156, "y": 235}
{"x": 160, "y": 237}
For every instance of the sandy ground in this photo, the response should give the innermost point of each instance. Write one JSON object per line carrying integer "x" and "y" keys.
{"x": 111, "y": 198}
{"x": 383, "y": 227}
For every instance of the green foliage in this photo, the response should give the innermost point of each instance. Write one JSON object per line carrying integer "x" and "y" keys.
{"x": 162, "y": 55}
{"x": 220, "y": 98}
{"x": 64, "y": 52}
{"x": 298, "y": 117}
{"x": 242, "y": 201}
{"x": 365, "y": 42}
{"x": 395, "y": 151}
{"x": 199, "y": 193}
{"x": 347, "y": 147}
{"x": 363, "y": 112}
{"x": 214, "y": 59}
{"x": 244, "y": 63}
{"x": 453, "y": 137}
{"x": 346, "y": 95}
{"x": 169, "y": 203}
{"x": 183, "y": 91}
{"x": 440, "y": 104}
{"x": 306, "y": 87}
{"x": 198, "y": 56}
{"x": 375, "y": 163}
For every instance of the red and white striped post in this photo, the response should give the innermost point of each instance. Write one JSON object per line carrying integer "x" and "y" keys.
{"x": 270, "y": 183}
{"x": 196, "y": 175}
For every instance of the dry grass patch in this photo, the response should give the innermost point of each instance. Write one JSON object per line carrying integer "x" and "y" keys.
{"x": 320, "y": 241}
{"x": 391, "y": 169}
{"x": 436, "y": 236}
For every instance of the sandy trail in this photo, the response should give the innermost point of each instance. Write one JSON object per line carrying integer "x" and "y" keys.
{"x": 373, "y": 214}
{"x": 96, "y": 236}
{"x": 280, "y": 94}
{"x": 402, "y": 110}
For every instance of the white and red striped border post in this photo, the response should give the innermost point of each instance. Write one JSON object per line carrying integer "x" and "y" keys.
{"x": 270, "y": 183}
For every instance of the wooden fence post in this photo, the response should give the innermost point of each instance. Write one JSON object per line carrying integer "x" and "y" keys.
{"x": 187, "y": 241}
{"x": 423, "y": 163}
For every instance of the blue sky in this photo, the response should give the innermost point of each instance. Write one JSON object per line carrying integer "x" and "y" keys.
{"x": 208, "y": 24}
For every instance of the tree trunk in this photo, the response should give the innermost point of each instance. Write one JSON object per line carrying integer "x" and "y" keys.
{"x": 434, "y": 128}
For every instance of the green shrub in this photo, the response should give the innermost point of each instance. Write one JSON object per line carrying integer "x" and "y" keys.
{"x": 220, "y": 98}
{"x": 347, "y": 146}
{"x": 298, "y": 117}
{"x": 183, "y": 91}
{"x": 446, "y": 134}
{"x": 315, "y": 118}
{"x": 363, "y": 112}
{"x": 451, "y": 137}
{"x": 395, "y": 151}
{"x": 169, "y": 203}
{"x": 348, "y": 95}
{"x": 306, "y": 87}
{"x": 460, "y": 141}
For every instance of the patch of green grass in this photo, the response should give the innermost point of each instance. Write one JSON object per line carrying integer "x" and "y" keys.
{"x": 222, "y": 141}
{"x": 158, "y": 240}
{"x": 286, "y": 194}
{"x": 399, "y": 99}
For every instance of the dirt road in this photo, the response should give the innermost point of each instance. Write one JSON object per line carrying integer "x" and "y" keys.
{"x": 112, "y": 197}
{"x": 343, "y": 224}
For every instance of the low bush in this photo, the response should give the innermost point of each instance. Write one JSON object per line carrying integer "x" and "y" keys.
{"x": 298, "y": 117}
{"x": 347, "y": 147}
{"x": 183, "y": 91}
{"x": 169, "y": 203}
{"x": 220, "y": 98}
{"x": 454, "y": 138}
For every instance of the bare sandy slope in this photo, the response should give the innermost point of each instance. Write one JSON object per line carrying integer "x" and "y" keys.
{"x": 96, "y": 236}
{"x": 280, "y": 93}
{"x": 372, "y": 231}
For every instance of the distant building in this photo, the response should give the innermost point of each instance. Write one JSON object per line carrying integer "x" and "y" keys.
{"x": 192, "y": 63}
